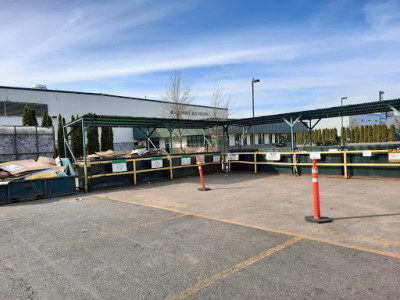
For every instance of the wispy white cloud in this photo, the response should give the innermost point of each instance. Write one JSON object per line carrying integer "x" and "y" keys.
{"x": 299, "y": 66}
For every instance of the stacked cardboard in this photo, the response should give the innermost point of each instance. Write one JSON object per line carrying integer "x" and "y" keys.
{"x": 110, "y": 154}
{"x": 44, "y": 167}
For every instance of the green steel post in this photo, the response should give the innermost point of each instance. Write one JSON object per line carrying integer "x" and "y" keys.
{"x": 171, "y": 146}
{"x": 65, "y": 148}
{"x": 84, "y": 141}
{"x": 84, "y": 156}
{"x": 394, "y": 109}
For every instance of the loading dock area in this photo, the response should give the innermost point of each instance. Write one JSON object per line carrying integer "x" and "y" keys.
{"x": 244, "y": 239}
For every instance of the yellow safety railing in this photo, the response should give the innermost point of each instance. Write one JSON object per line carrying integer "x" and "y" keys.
{"x": 223, "y": 160}
{"x": 294, "y": 162}
{"x": 134, "y": 173}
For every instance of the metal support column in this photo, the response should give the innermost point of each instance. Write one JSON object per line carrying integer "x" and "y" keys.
{"x": 291, "y": 123}
{"x": 171, "y": 147}
{"x": 147, "y": 134}
{"x": 84, "y": 156}
{"x": 394, "y": 109}
{"x": 310, "y": 128}
{"x": 225, "y": 137}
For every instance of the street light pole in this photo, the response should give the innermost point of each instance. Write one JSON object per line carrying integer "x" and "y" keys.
{"x": 252, "y": 93}
{"x": 342, "y": 129}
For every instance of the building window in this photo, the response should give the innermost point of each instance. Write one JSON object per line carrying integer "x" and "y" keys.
{"x": 261, "y": 138}
{"x": 237, "y": 139}
{"x": 16, "y": 109}
{"x": 251, "y": 139}
{"x": 196, "y": 140}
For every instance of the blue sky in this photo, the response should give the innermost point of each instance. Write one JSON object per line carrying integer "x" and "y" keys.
{"x": 306, "y": 53}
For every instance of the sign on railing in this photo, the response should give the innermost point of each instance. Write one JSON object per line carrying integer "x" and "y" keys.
{"x": 233, "y": 156}
{"x": 156, "y": 162}
{"x": 273, "y": 156}
{"x": 315, "y": 155}
{"x": 394, "y": 155}
{"x": 185, "y": 160}
{"x": 119, "y": 166}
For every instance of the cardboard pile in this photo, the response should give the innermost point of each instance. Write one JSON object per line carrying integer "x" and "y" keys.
{"x": 110, "y": 154}
{"x": 44, "y": 167}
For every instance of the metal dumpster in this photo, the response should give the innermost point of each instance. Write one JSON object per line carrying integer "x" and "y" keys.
{"x": 27, "y": 190}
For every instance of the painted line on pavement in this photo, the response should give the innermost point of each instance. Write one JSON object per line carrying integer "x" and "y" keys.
{"x": 340, "y": 244}
{"x": 227, "y": 272}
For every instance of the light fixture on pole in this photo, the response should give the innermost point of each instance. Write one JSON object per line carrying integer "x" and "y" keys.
{"x": 252, "y": 93}
{"x": 381, "y": 95}
{"x": 342, "y": 129}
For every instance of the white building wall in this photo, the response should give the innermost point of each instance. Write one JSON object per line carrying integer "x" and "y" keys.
{"x": 73, "y": 103}
{"x": 231, "y": 140}
{"x": 333, "y": 123}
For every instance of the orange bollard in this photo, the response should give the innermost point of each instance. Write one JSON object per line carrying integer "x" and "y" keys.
{"x": 203, "y": 188}
{"x": 314, "y": 171}
{"x": 316, "y": 218}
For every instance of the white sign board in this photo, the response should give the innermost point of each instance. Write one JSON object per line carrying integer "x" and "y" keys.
{"x": 367, "y": 153}
{"x": 156, "y": 162}
{"x": 216, "y": 158}
{"x": 200, "y": 159}
{"x": 394, "y": 155}
{"x": 185, "y": 160}
{"x": 233, "y": 156}
{"x": 119, "y": 166}
{"x": 315, "y": 155}
{"x": 273, "y": 156}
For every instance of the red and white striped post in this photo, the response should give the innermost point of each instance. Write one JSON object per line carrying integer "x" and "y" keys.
{"x": 316, "y": 218}
{"x": 203, "y": 188}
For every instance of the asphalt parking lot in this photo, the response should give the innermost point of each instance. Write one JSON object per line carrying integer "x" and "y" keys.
{"x": 244, "y": 239}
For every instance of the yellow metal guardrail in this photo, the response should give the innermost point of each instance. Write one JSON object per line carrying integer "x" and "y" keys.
{"x": 345, "y": 165}
{"x": 294, "y": 162}
{"x": 134, "y": 173}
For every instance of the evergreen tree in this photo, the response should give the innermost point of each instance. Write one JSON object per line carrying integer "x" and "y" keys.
{"x": 49, "y": 121}
{"x": 79, "y": 140}
{"x": 348, "y": 135}
{"x": 375, "y": 133}
{"x": 32, "y": 118}
{"x": 73, "y": 137}
{"x": 319, "y": 137}
{"x": 357, "y": 135}
{"x": 25, "y": 116}
{"x": 335, "y": 135}
{"x": 313, "y": 136}
{"x": 60, "y": 137}
{"x": 371, "y": 134}
{"x": 352, "y": 135}
{"x": 392, "y": 133}
{"x": 111, "y": 139}
{"x": 104, "y": 138}
{"x": 384, "y": 133}
{"x": 92, "y": 140}
{"x": 44, "y": 119}
{"x": 362, "y": 132}
{"x": 323, "y": 131}
{"x": 379, "y": 133}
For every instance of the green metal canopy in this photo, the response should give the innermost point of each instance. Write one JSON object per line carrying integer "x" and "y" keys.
{"x": 322, "y": 113}
{"x": 90, "y": 120}
{"x": 291, "y": 119}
